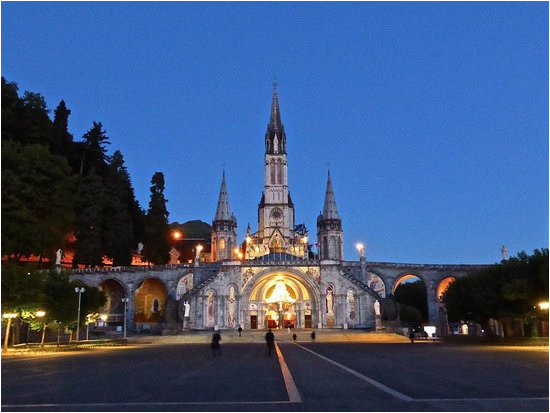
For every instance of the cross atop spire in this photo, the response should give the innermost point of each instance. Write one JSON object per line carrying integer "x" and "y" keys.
{"x": 330, "y": 211}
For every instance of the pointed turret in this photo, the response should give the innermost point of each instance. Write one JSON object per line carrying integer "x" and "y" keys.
{"x": 223, "y": 211}
{"x": 275, "y": 137}
{"x": 329, "y": 227}
{"x": 330, "y": 211}
{"x": 224, "y": 226}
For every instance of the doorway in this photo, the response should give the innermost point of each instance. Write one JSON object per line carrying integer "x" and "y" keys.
{"x": 254, "y": 322}
{"x": 307, "y": 321}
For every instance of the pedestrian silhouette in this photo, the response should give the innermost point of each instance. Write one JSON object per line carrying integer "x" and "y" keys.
{"x": 270, "y": 340}
{"x": 240, "y": 330}
{"x": 411, "y": 335}
{"x": 313, "y": 335}
{"x": 215, "y": 344}
{"x": 294, "y": 337}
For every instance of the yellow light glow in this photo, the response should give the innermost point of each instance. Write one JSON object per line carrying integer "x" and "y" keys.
{"x": 40, "y": 313}
{"x": 236, "y": 250}
{"x": 280, "y": 294}
{"x": 104, "y": 317}
{"x": 248, "y": 240}
{"x": 544, "y": 305}
{"x": 240, "y": 255}
{"x": 177, "y": 235}
{"x": 359, "y": 246}
{"x": 200, "y": 248}
{"x": 304, "y": 240}
{"x": 9, "y": 315}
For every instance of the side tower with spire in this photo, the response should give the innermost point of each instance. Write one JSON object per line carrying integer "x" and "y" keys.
{"x": 224, "y": 227}
{"x": 329, "y": 228}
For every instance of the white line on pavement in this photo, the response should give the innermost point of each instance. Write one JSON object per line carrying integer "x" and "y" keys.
{"x": 481, "y": 399}
{"x": 291, "y": 389}
{"x": 44, "y": 405}
{"x": 375, "y": 383}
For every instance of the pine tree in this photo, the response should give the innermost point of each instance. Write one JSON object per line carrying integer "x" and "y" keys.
{"x": 62, "y": 140}
{"x": 157, "y": 233}
{"x": 118, "y": 237}
{"x": 94, "y": 154}
{"x": 89, "y": 210}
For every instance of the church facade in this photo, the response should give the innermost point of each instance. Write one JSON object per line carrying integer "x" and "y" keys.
{"x": 271, "y": 279}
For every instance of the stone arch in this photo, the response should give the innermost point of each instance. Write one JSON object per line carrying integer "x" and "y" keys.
{"x": 184, "y": 284}
{"x": 378, "y": 284}
{"x": 404, "y": 277}
{"x": 114, "y": 292}
{"x": 150, "y": 301}
{"x": 443, "y": 285}
{"x": 304, "y": 287}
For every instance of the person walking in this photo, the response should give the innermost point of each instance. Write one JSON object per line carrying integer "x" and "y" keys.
{"x": 270, "y": 340}
{"x": 411, "y": 335}
{"x": 240, "y": 330}
{"x": 215, "y": 344}
{"x": 294, "y": 337}
{"x": 313, "y": 336}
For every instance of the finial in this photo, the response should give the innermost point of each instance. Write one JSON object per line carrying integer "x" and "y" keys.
{"x": 275, "y": 86}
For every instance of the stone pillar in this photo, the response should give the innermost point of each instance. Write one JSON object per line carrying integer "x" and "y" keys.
{"x": 322, "y": 302}
{"x": 130, "y": 307}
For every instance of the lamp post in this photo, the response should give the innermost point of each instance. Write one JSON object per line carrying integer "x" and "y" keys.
{"x": 9, "y": 317}
{"x": 125, "y": 301}
{"x": 178, "y": 237}
{"x": 41, "y": 314}
{"x": 79, "y": 291}
{"x": 363, "y": 261}
{"x": 198, "y": 250}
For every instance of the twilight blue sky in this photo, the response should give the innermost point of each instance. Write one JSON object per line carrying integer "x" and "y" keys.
{"x": 433, "y": 116}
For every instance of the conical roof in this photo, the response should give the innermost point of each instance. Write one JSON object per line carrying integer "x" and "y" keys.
{"x": 330, "y": 211}
{"x": 275, "y": 126}
{"x": 223, "y": 210}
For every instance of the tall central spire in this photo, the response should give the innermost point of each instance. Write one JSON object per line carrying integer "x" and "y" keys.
{"x": 275, "y": 137}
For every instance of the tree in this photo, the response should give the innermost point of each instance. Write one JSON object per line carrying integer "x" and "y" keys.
{"x": 89, "y": 220}
{"x": 94, "y": 154}
{"x": 118, "y": 237}
{"x": 506, "y": 291}
{"x": 157, "y": 232}
{"x": 22, "y": 289}
{"x": 37, "y": 200}
{"x": 413, "y": 295}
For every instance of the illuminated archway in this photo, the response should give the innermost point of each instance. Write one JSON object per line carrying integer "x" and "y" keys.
{"x": 150, "y": 304}
{"x": 113, "y": 308}
{"x": 443, "y": 286}
{"x": 411, "y": 292}
{"x": 281, "y": 299}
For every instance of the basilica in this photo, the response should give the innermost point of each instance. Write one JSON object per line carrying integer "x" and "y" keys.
{"x": 272, "y": 278}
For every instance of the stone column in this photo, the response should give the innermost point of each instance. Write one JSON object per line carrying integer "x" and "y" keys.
{"x": 130, "y": 307}
{"x": 322, "y": 310}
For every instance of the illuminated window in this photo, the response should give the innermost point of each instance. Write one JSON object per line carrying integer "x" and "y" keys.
{"x": 222, "y": 244}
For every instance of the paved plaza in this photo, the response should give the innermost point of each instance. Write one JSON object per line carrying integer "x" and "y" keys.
{"x": 297, "y": 377}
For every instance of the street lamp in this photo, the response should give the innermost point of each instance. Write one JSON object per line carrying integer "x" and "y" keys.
{"x": 41, "y": 314}
{"x": 9, "y": 317}
{"x": 79, "y": 291}
{"x": 361, "y": 248}
{"x": 544, "y": 305}
{"x": 104, "y": 318}
{"x": 125, "y": 301}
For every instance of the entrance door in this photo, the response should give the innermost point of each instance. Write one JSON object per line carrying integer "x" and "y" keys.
{"x": 254, "y": 321}
{"x": 307, "y": 321}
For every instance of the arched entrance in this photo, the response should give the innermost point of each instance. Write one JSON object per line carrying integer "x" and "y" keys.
{"x": 150, "y": 304}
{"x": 443, "y": 286}
{"x": 281, "y": 300}
{"x": 410, "y": 292}
{"x": 113, "y": 308}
